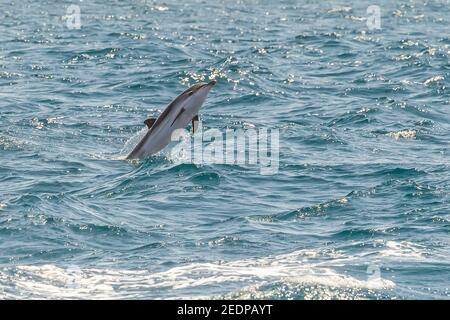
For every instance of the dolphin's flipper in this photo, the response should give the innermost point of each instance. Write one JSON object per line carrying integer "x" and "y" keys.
{"x": 149, "y": 122}
{"x": 195, "y": 121}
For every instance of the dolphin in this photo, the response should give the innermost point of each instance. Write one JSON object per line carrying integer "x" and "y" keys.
{"x": 177, "y": 115}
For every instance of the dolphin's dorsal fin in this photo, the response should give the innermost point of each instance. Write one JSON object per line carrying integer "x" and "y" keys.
{"x": 149, "y": 122}
{"x": 195, "y": 121}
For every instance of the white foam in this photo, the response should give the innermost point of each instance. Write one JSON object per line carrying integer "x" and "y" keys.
{"x": 403, "y": 249}
{"x": 133, "y": 141}
{"x": 405, "y": 134}
{"x": 295, "y": 269}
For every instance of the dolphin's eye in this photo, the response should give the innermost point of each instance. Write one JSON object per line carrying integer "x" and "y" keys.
{"x": 191, "y": 93}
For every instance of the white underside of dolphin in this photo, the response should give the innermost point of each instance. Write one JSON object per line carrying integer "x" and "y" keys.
{"x": 177, "y": 115}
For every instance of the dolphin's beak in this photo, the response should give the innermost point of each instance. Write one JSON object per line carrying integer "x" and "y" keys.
{"x": 208, "y": 85}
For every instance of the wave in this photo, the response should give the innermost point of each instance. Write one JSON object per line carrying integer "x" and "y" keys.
{"x": 307, "y": 271}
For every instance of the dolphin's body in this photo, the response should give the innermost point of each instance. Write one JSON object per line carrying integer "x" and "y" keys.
{"x": 177, "y": 115}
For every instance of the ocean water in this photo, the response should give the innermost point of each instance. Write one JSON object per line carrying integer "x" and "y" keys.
{"x": 359, "y": 207}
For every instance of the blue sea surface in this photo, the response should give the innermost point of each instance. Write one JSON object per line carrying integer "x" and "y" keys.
{"x": 358, "y": 209}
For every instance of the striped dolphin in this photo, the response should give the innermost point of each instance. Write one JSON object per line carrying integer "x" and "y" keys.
{"x": 177, "y": 115}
